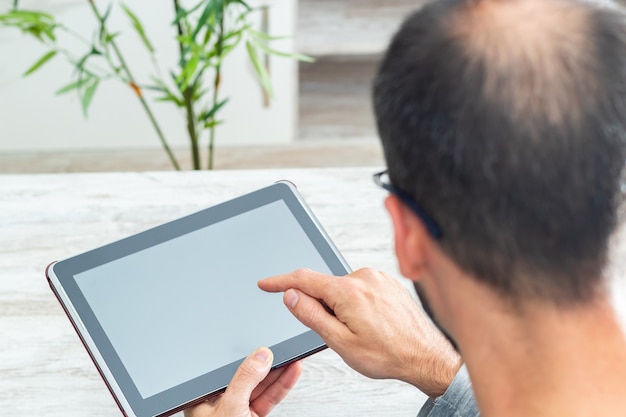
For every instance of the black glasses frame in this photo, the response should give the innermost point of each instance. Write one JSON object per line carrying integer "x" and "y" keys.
{"x": 382, "y": 180}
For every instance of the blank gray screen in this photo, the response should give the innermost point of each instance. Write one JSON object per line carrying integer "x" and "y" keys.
{"x": 190, "y": 305}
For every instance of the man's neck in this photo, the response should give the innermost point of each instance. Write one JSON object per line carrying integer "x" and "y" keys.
{"x": 547, "y": 361}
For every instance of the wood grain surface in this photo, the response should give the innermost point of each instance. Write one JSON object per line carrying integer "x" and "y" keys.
{"x": 45, "y": 371}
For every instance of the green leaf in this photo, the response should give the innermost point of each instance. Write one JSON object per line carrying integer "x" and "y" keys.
{"x": 159, "y": 84}
{"x": 152, "y": 88}
{"x": 181, "y": 13}
{"x": 242, "y": 17}
{"x": 207, "y": 37}
{"x": 227, "y": 48}
{"x": 243, "y": 3}
{"x": 81, "y": 65}
{"x": 28, "y": 16}
{"x": 110, "y": 37}
{"x": 49, "y": 32}
{"x": 175, "y": 78}
{"x": 107, "y": 13}
{"x": 72, "y": 86}
{"x": 40, "y": 62}
{"x": 214, "y": 10}
{"x": 213, "y": 123}
{"x": 207, "y": 115}
{"x": 270, "y": 51}
{"x": 30, "y": 22}
{"x": 262, "y": 35}
{"x": 188, "y": 71}
{"x": 88, "y": 94}
{"x": 171, "y": 98}
{"x": 138, "y": 28}
{"x": 233, "y": 34}
{"x": 103, "y": 31}
{"x": 260, "y": 69}
{"x": 199, "y": 92}
{"x": 168, "y": 94}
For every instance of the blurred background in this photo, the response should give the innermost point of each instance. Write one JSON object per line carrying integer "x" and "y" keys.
{"x": 320, "y": 114}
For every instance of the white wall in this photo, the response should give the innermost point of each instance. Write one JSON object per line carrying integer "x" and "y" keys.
{"x": 32, "y": 118}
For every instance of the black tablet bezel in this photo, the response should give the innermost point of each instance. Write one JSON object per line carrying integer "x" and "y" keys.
{"x": 175, "y": 398}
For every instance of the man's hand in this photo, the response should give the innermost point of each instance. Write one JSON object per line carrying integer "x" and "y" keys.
{"x": 373, "y": 323}
{"x": 251, "y": 392}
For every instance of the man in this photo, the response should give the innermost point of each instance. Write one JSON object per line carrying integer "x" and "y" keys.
{"x": 502, "y": 123}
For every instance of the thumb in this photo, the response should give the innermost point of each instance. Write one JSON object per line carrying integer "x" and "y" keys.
{"x": 250, "y": 373}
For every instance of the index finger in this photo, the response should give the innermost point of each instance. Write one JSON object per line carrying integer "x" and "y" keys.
{"x": 312, "y": 283}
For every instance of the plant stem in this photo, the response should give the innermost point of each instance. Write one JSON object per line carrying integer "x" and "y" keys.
{"x": 216, "y": 88}
{"x": 188, "y": 98}
{"x": 142, "y": 100}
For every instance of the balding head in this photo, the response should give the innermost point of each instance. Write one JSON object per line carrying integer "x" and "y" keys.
{"x": 505, "y": 120}
{"x": 537, "y": 55}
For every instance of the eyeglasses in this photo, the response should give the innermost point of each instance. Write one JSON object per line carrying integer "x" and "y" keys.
{"x": 382, "y": 180}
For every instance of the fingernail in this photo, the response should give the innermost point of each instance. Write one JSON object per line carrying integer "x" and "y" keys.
{"x": 263, "y": 355}
{"x": 291, "y": 298}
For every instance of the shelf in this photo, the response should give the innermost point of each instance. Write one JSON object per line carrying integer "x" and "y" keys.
{"x": 349, "y": 27}
{"x": 348, "y": 38}
{"x": 335, "y": 98}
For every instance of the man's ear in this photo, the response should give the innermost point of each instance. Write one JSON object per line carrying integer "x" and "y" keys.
{"x": 411, "y": 238}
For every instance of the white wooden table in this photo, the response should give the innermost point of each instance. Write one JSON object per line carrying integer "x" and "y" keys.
{"x": 45, "y": 371}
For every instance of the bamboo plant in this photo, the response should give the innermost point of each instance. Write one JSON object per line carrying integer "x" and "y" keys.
{"x": 206, "y": 33}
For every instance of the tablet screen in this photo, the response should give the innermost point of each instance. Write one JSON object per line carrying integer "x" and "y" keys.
{"x": 176, "y": 303}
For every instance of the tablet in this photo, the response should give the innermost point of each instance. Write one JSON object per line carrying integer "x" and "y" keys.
{"x": 168, "y": 315}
